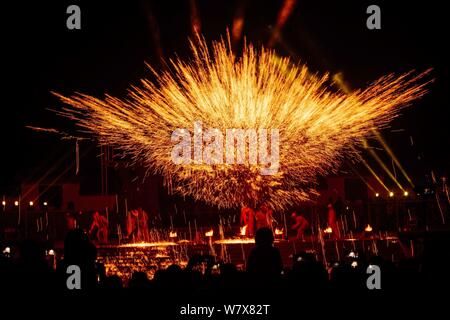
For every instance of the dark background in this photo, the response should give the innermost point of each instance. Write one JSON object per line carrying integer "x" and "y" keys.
{"x": 108, "y": 54}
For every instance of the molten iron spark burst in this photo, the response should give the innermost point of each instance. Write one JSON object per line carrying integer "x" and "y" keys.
{"x": 318, "y": 126}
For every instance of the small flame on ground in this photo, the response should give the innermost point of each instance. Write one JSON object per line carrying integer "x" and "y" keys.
{"x": 172, "y": 234}
{"x": 278, "y": 231}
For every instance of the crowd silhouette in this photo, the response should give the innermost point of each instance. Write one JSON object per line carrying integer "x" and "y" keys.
{"x": 31, "y": 269}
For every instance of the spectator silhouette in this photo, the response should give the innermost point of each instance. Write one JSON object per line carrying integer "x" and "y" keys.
{"x": 113, "y": 282}
{"x": 345, "y": 278}
{"x": 308, "y": 273}
{"x": 32, "y": 270}
{"x": 230, "y": 277}
{"x": 78, "y": 250}
{"x": 264, "y": 262}
{"x": 139, "y": 280}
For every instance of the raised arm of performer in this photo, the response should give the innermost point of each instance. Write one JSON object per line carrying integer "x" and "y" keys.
{"x": 94, "y": 223}
{"x": 297, "y": 221}
{"x": 243, "y": 220}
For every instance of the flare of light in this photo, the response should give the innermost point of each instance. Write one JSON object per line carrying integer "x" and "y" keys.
{"x": 339, "y": 80}
{"x": 362, "y": 178}
{"x": 381, "y": 163}
{"x": 374, "y": 174}
{"x": 318, "y": 126}
{"x": 147, "y": 244}
{"x": 278, "y": 231}
{"x": 39, "y": 129}
{"x": 154, "y": 31}
{"x": 283, "y": 15}
{"x": 392, "y": 155}
{"x": 243, "y": 230}
{"x": 209, "y": 233}
{"x": 196, "y": 23}
{"x": 368, "y": 228}
{"x": 328, "y": 230}
{"x": 238, "y": 25}
{"x": 235, "y": 241}
{"x": 172, "y": 234}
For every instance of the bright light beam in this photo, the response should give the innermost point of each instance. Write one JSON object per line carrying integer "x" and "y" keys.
{"x": 381, "y": 163}
{"x": 392, "y": 155}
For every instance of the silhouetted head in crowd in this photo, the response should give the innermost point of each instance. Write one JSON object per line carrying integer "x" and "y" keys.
{"x": 348, "y": 276}
{"x": 30, "y": 270}
{"x": 139, "y": 280}
{"x": 31, "y": 253}
{"x": 264, "y": 260}
{"x": 264, "y": 237}
{"x": 113, "y": 282}
{"x": 173, "y": 268}
{"x": 307, "y": 272}
{"x": 228, "y": 269}
{"x": 78, "y": 249}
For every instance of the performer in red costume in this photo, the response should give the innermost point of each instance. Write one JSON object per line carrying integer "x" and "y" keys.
{"x": 300, "y": 225}
{"x": 261, "y": 220}
{"x": 99, "y": 228}
{"x": 248, "y": 219}
{"x": 137, "y": 225}
{"x": 143, "y": 234}
{"x": 332, "y": 221}
{"x": 132, "y": 225}
{"x": 264, "y": 217}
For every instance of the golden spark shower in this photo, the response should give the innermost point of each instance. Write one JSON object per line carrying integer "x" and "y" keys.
{"x": 318, "y": 125}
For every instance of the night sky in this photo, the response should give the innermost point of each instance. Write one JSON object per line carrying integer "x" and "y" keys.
{"x": 108, "y": 54}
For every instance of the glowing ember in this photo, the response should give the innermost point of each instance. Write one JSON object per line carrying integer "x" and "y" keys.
{"x": 234, "y": 241}
{"x": 368, "y": 228}
{"x": 209, "y": 233}
{"x": 147, "y": 244}
{"x": 172, "y": 234}
{"x": 328, "y": 230}
{"x": 244, "y": 230}
{"x": 317, "y": 126}
{"x": 278, "y": 231}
